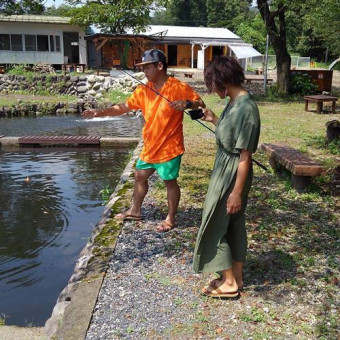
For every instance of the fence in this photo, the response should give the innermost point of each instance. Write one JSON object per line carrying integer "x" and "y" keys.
{"x": 296, "y": 63}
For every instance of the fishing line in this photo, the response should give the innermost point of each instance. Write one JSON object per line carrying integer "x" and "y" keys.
{"x": 207, "y": 127}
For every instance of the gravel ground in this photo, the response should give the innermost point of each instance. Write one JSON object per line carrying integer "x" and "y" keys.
{"x": 151, "y": 292}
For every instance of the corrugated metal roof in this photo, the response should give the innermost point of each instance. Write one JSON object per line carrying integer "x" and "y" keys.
{"x": 192, "y": 32}
{"x": 244, "y": 51}
{"x": 41, "y": 19}
{"x": 185, "y": 32}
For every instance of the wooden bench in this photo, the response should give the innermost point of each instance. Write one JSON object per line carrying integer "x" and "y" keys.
{"x": 319, "y": 99}
{"x": 250, "y": 79}
{"x": 302, "y": 168}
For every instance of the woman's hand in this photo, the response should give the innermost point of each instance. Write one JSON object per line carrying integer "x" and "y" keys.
{"x": 234, "y": 203}
{"x": 209, "y": 116}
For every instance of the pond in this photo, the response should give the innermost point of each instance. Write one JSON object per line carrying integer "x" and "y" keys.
{"x": 123, "y": 126}
{"x": 50, "y": 202}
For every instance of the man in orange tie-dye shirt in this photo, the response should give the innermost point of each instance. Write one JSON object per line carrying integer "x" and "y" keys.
{"x": 162, "y": 132}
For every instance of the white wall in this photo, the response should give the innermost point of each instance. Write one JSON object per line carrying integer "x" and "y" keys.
{"x": 33, "y": 57}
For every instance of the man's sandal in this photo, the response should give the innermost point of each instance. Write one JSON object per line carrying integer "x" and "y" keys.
{"x": 127, "y": 216}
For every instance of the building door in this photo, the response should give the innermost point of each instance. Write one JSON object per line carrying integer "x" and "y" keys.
{"x": 71, "y": 47}
{"x": 217, "y": 50}
{"x": 172, "y": 55}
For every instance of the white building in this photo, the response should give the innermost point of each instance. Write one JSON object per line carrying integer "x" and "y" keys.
{"x": 30, "y": 39}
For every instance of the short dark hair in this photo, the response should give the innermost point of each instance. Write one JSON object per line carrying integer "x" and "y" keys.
{"x": 165, "y": 65}
{"x": 223, "y": 70}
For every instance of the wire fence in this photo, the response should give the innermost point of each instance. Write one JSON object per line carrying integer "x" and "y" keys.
{"x": 296, "y": 63}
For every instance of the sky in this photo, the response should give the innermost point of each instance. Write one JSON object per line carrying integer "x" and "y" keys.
{"x": 56, "y": 3}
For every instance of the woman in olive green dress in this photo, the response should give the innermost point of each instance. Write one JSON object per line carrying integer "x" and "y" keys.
{"x": 221, "y": 243}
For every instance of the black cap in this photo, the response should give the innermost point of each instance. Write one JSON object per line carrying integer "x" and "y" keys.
{"x": 152, "y": 56}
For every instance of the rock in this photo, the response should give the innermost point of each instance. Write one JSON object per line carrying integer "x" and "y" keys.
{"x": 92, "y": 92}
{"x": 82, "y": 89}
{"x": 91, "y": 79}
{"x": 97, "y": 86}
{"x": 74, "y": 79}
{"x": 139, "y": 75}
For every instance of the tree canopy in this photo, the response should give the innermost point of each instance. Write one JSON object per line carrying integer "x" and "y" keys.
{"x": 11, "y": 7}
{"x": 112, "y": 16}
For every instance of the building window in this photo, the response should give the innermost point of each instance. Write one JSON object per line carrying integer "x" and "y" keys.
{"x": 4, "y": 42}
{"x": 16, "y": 42}
{"x": 42, "y": 43}
{"x": 51, "y": 43}
{"x": 30, "y": 42}
{"x": 57, "y": 43}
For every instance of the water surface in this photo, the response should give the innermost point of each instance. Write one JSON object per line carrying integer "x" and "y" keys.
{"x": 122, "y": 126}
{"x": 49, "y": 204}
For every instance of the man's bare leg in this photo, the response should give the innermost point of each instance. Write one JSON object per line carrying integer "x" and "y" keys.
{"x": 173, "y": 195}
{"x": 140, "y": 190}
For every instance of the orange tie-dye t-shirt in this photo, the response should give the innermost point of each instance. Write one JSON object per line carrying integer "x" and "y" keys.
{"x": 163, "y": 128}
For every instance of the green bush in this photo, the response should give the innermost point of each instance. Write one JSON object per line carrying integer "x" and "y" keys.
{"x": 302, "y": 83}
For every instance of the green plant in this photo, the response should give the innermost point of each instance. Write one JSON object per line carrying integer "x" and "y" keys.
{"x": 106, "y": 193}
{"x": 302, "y": 83}
{"x": 256, "y": 315}
{"x": 2, "y": 319}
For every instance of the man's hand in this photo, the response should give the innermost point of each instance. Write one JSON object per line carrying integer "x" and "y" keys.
{"x": 179, "y": 105}
{"x": 90, "y": 113}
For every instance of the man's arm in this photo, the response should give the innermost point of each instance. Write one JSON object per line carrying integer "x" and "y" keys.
{"x": 181, "y": 105}
{"x": 115, "y": 110}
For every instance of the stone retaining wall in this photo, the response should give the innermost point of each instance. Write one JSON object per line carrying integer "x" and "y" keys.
{"x": 89, "y": 89}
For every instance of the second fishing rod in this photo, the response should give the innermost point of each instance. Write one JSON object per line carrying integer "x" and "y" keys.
{"x": 194, "y": 114}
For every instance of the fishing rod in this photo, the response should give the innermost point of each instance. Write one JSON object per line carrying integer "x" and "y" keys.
{"x": 207, "y": 127}
{"x": 195, "y": 115}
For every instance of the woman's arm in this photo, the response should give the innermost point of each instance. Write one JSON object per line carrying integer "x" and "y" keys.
{"x": 234, "y": 201}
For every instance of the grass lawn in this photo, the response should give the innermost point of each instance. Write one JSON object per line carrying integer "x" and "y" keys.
{"x": 292, "y": 269}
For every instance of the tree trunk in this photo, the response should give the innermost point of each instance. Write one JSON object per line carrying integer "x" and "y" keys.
{"x": 277, "y": 37}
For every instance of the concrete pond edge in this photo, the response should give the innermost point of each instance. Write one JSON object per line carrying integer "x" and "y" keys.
{"x": 72, "y": 313}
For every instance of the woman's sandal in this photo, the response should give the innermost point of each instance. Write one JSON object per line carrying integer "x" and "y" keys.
{"x": 217, "y": 293}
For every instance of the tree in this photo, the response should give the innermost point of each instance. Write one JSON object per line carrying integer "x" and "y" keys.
{"x": 182, "y": 13}
{"x": 112, "y": 16}
{"x": 227, "y": 13}
{"x": 253, "y": 32}
{"x": 324, "y": 22}
{"x": 63, "y": 11}
{"x": 11, "y": 7}
{"x": 275, "y": 22}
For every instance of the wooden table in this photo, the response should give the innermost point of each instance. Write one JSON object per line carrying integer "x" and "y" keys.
{"x": 319, "y": 99}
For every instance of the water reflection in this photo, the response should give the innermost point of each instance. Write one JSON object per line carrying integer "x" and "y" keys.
{"x": 49, "y": 203}
{"x": 123, "y": 126}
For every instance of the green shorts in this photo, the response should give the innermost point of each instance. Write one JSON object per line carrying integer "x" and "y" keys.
{"x": 167, "y": 171}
